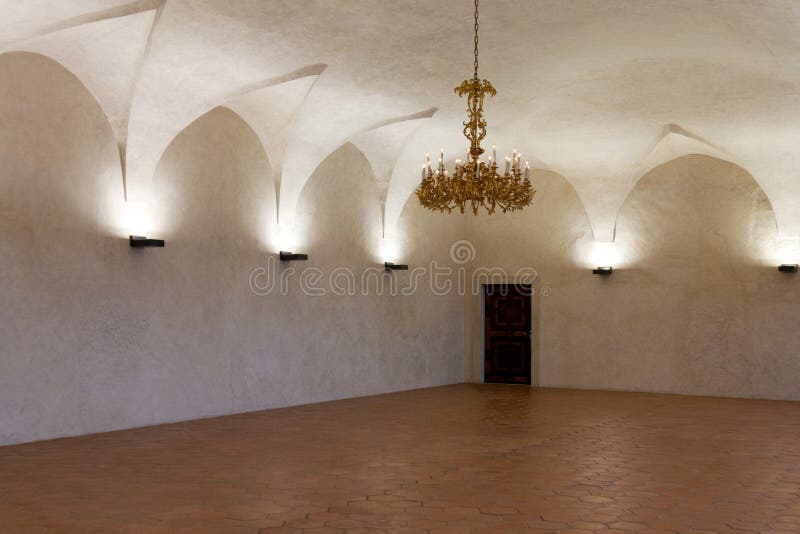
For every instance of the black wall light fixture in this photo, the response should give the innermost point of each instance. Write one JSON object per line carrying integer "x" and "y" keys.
{"x": 395, "y": 266}
{"x": 138, "y": 241}
{"x": 788, "y": 268}
{"x": 290, "y": 256}
{"x": 603, "y": 270}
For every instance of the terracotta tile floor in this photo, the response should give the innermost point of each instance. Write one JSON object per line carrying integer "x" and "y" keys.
{"x": 465, "y": 458}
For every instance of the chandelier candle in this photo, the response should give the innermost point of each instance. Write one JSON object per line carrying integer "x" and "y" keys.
{"x": 476, "y": 184}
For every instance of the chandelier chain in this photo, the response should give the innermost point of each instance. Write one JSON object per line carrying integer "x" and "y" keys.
{"x": 475, "y": 77}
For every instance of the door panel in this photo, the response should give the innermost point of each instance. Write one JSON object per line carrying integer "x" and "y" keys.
{"x": 507, "y": 337}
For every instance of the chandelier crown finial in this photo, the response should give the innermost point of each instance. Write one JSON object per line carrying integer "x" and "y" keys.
{"x": 477, "y": 183}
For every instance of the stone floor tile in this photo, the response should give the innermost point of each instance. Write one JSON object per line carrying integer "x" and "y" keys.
{"x": 466, "y": 458}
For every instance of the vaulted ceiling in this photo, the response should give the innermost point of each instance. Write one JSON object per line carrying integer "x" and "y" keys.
{"x": 598, "y": 91}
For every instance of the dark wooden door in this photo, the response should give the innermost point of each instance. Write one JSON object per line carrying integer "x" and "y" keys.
{"x": 507, "y": 338}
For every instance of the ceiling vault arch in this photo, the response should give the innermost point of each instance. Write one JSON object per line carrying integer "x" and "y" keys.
{"x": 105, "y": 50}
{"x": 602, "y": 105}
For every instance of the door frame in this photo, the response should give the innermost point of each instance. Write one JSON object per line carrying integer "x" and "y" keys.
{"x": 476, "y": 312}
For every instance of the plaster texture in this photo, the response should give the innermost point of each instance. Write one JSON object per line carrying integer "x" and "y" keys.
{"x": 98, "y": 336}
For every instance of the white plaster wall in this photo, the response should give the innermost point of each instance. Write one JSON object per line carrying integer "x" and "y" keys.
{"x": 695, "y": 305}
{"x": 97, "y": 336}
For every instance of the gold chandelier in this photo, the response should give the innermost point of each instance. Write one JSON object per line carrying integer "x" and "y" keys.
{"x": 476, "y": 182}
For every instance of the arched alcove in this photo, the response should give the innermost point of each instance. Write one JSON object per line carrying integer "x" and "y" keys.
{"x": 698, "y": 211}
{"x": 60, "y": 164}
{"x": 60, "y": 184}
{"x": 339, "y": 207}
{"x": 551, "y": 234}
{"x": 550, "y": 237}
{"x": 213, "y": 185}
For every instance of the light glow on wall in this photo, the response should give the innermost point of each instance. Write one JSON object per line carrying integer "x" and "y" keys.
{"x": 133, "y": 218}
{"x": 286, "y": 237}
{"x": 389, "y": 249}
{"x": 136, "y": 218}
{"x": 605, "y": 254}
{"x": 788, "y": 250}
{"x": 289, "y": 235}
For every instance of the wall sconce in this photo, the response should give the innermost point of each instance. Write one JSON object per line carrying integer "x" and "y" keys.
{"x": 604, "y": 256}
{"x": 788, "y": 268}
{"x": 289, "y": 256}
{"x": 138, "y": 241}
{"x": 395, "y": 266}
